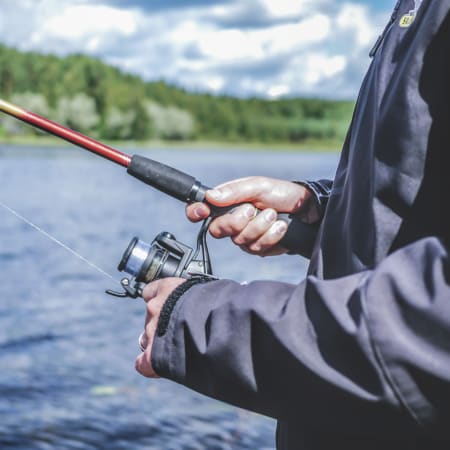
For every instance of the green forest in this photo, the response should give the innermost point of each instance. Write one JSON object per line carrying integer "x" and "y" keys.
{"x": 92, "y": 97}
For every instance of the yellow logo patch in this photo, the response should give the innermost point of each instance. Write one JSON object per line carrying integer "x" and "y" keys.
{"x": 407, "y": 20}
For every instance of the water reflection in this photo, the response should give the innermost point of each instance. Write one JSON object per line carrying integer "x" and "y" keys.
{"x": 67, "y": 378}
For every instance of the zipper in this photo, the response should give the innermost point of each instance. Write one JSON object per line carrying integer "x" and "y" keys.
{"x": 381, "y": 37}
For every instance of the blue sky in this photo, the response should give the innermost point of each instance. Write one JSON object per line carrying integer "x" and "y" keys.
{"x": 266, "y": 48}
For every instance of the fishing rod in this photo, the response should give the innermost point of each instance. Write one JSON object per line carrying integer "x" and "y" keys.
{"x": 165, "y": 256}
{"x": 166, "y": 179}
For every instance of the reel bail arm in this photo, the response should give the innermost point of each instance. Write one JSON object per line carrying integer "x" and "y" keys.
{"x": 164, "y": 257}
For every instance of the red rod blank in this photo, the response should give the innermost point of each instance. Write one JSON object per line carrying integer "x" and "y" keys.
{"x": 77, "y": 138}
{"x": 66, "y": 133}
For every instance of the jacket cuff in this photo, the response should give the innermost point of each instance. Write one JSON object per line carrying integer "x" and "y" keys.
{"x": 321, "y": 190}
{"x": 300, "y": 237}
{"x": 172, "y": 299}
{"x": 163, "y": 341}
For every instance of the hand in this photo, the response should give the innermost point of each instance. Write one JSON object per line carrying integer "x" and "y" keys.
{"x": 256, "y": 234}
{"x": 155, "y": 295}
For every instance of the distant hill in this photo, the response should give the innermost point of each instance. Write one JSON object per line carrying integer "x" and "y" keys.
{"x": 91, "y": 96}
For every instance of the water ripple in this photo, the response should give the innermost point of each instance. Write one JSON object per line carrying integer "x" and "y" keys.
{"x": 67, "y": 378}
{"x": 27, "y": 341}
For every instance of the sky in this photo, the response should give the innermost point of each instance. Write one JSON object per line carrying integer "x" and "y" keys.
{"x": 263, "y": 48}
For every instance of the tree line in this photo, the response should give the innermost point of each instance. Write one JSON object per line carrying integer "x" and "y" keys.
{"x": 92, "y": 97}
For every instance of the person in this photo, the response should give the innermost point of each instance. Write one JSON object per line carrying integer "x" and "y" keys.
{"x": 358, "y": 354}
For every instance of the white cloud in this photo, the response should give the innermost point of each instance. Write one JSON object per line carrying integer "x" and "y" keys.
{"x": 357, "y": 19}
{"x": 86, "y": 26}
{"x": 257, "y": 47}
{"x": 319, "y": 66}
{"x": 214, "y": 83}
{"x": 78, "y": 21}
{"x": 278, "y": 91}
{"x": 305, "y": 32}
{"x": 221, "y": 45}
{"x": 229, "y": 45}
{"x": 285, "y": 8}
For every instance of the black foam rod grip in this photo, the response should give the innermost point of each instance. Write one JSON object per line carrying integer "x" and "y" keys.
{"x": 166, "y": 179}
{"x": 186, "y": 188}
{"x": 173, "y": 182}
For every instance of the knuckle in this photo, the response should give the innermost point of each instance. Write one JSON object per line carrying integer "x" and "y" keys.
{"x": 225, "y": 227}
{"x": 150, "y": 291}
{"x": 147, "y": 293}
{"x": 152, "y": 310}
{"x": 216, "y": 231}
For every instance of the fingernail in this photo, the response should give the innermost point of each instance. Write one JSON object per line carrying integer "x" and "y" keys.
{"x": 279, "y": 227}
{"x": 270, "y": 215}
{"x": 199, "y": 213}
{"x": 250, "y": 212}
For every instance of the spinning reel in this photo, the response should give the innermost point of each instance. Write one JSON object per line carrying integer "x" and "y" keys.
{"x": 164, "y": 257}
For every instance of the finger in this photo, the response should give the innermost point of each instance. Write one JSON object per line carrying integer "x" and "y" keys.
{"x": 151, "y": 313}
{"x": 150, "y": 291}
{"x": 236, "y": 191}
{"x": 150, "y": 329}
{"x": 274, "y": 251}
{"x": 197, "y": 211}
{"x": 233, "y": 223}
{"x": 143, "y": 362}
{"x": 267, "y": 244}
{"x": 144, "y": 366}
{"x": 148, "y": 317}
{"x": 256, "y": 228}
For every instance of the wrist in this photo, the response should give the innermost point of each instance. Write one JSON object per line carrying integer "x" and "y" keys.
{"x": 312, "y": 207}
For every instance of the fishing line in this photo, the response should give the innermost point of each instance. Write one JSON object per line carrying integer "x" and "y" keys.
{"x": 56, "y": 241}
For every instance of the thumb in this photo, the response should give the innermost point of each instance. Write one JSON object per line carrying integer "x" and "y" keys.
{"x": 238, "y": 191}
{"x": 220, "y": 197}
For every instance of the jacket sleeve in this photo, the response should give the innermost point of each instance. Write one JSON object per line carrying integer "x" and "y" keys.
{"x": 300, "y": 236}
{"x": 367, "y": 352}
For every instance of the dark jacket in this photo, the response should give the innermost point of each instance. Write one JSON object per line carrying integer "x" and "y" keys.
{"x": 357, "y": 355}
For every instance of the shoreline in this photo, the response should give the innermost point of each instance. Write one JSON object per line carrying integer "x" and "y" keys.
{"x": 316, "y": 146}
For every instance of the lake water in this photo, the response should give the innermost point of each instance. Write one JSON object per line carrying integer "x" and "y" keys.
{"x": 67, "y": 350}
